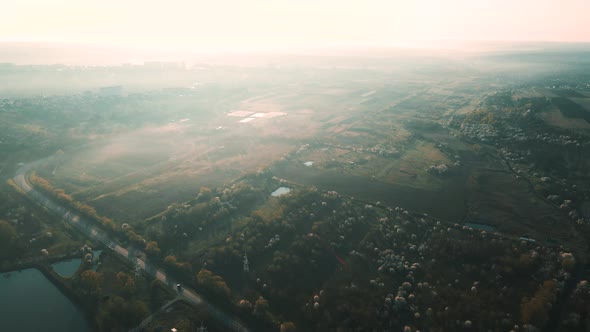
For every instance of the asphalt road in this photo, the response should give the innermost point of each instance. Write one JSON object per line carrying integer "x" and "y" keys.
{"x": 87, "y": 228}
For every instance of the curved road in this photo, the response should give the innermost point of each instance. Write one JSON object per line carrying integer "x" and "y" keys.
{"x": 85, "y": 226}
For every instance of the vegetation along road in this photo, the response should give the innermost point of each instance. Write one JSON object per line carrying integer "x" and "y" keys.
{"x": 130, "y": 254}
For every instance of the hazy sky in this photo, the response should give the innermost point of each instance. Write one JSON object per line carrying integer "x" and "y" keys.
{"x": 279, "y": 23}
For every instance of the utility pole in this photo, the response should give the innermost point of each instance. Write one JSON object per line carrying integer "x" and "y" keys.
{"x": 246, "y": 264}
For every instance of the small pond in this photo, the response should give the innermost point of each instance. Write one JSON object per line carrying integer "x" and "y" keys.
{"x": 67, "y": 268}
{"x": 280, "y": 191}
{"x": 482, "y": 227}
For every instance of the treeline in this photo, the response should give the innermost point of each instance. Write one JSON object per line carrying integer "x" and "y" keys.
{"x": 9, "y": 246}
{"x": 87, "y": 211}
{"x": 62, "y": 197}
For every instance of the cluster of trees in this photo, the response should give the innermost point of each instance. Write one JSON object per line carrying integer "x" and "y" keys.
{"x": 291, "y": 245}
{"x": 90, "y": 283}
{"x": 485, "y": 276}
{"x": 125, "y": 284}
{"x": 152, "y": 248}
{"x": 119, "y": 314}
{"x": 179, "y": 268}
{"x": 535, "y": 310}
{"x": 578, "y": 308}
{"x": 8, "y": 237}
{"x": 481, "y": 116}
{"x": 213, "y": 283}
{"x": 211, "y": 210}
{"x": 207, "y": 215}
{"x": 505, "y": 101}
{"x": 503, "y": 106}
{"x": 288, "y": 327}
{"x": 118, "y": 299}
{"x": 135, "y": 239}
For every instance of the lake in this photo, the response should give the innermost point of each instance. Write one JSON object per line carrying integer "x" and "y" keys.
{"x": 30, "y": 302}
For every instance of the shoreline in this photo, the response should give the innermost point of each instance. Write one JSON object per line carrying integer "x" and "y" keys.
{"x": 33, "y": 262}
{"x": 86, "y": 309}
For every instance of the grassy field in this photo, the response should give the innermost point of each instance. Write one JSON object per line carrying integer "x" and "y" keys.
{"x": 555, "y": 117}
{"x": 376, "y": 147}
{"x": 447, "y": 203}
{"x": 134, "y": 175}
{"x": 584, "y": 102}
{"x": 496, "y": 199}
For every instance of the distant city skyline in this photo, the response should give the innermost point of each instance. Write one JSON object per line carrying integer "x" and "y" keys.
{"x": 253, "y": 24}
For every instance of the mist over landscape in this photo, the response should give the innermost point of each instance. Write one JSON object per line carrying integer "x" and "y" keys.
{"x": 379, "y": 166}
